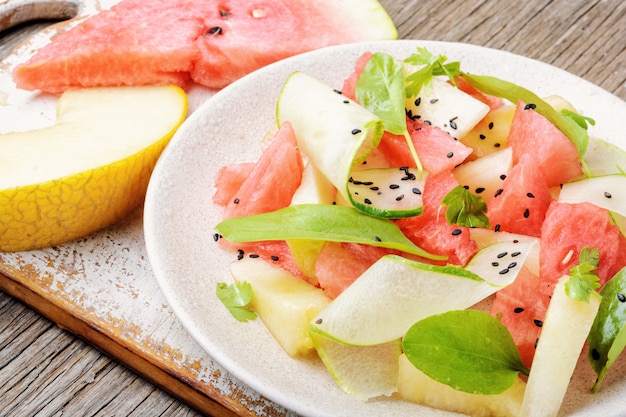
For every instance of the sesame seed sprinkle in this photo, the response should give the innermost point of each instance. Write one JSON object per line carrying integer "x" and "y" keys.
{"x": 538, "y": 323}
{"x": 530, "y": 106}
{"x": 356, "y": 131}
{"x": 456, "y": 232}
{"x": 526, "y": 213}
{"x": 621, "y": 297}
{"x": 518, "y": 310}
{"x": 607, "y": 194}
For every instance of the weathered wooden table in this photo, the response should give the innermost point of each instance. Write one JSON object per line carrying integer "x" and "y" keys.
{"x": 67, "y": 368}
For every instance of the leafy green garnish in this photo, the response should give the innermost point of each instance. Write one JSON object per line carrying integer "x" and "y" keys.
{"x": 236, "y": 297}
{"x": 607, "y": 337}
{"x": 469, "y": 350}
{"x": 465, "y": 208}
{"x": 582, "y": 280}
{"x": 431, "y": 65}
{"x": 320, "y": 222}
{"x": 512, "y": 92}
{"x": 380, "y": 89}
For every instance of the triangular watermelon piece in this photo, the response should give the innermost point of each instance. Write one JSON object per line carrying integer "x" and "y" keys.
{"x": 520, "y": 205}
{"x": 139, "y": 42}
{"x": 531, "y": 133}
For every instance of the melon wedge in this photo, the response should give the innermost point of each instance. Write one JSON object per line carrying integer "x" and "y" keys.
{"x": 89, "y": 169}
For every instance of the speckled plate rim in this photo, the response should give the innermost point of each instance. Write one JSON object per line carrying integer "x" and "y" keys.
{"x": 179, "y": 217}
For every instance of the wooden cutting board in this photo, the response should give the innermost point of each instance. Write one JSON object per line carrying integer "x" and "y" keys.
{"x": 102, "y": 288}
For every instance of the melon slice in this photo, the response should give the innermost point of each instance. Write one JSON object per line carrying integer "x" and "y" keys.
{"x": 88, "y": 170}
{"x": 211, "y": 42}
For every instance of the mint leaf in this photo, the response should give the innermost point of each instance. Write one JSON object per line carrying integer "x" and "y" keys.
{"x": 380, "y": 89}
{"x": 607, "y": 337}
{"x": 236, "y": 297}
{"x": 469, "y": 350}
{"x": 320, "y": 222}
{"x": 583, "y": 281}
{"x": 465, "y": 208}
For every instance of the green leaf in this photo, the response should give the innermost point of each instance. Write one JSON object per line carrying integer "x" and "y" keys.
{"x": 320, "y": 222}
{"x": 582, "y": 280}
{"x": 469, "y": 350}
{"x": 380, "y": 89}
{"x": 580, "y": 120}
{"x": 236, "y": 297}
{"x": 431, "y": 65}
{"x": 465, "y": 208}
{"x": 512, "y": 92}
{"x": 607, "y": 337}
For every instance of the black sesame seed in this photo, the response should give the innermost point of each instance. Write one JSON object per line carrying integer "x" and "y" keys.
{"x": 512, "y": 265}
{"x": 367, "y": 201}
{"x": 490, "y": 125}
{"x": 254, "y": 255}
{"x": 516, "y": 241}
{"x": 526, "y": 213}
{"x": 503, "y": 177}
{"x": 236, "y": 201}
{"x": 538, "y": 323}
{"x": 621, "y": 297}
{"x": 456, "y": 232}
{"x": 377, "y": 239}
{"x": 497, "y": 228}
{"x": 480, "y": 190}
{"x": 530, "y": 106}
{"x": 495, "y": 264}
{"x": 216, "y": 236}
{"x": 450, "y": 154}
{"x": 400, "y": 197}
{"x": 318, "y": 321}
{"x": 240, "y": 256}
{"x": 530, "y": 195}
{"x": 501, "y": 255}
{"x": 224, "y": 13}
{"x": 338, "y": 91}
{"x": 504, "y": 271}
{"x": 394, "y": 186}
{"x": 536, "y": 341}
{"x": 433, "y": 100}
{"x": 514, "y": 254}
{"x": 482, "y": 137}
{"x": 466, "y": 187}
{"x": 356, "y": 131}
{"x": 518, "y": 310}
{"x": 595, "y": 355}
{"x": 416, "y": 191}
{"x": 418, "y": 101}
{"x": 428, "y": 122}
{"x": 496, "y": 145}
{"x": 374, "y": 188}
{"x": 607, "y": 194}
{"x": 275, "y": 258}
{"x": 346, "y": 101}
{"x": 215, "y": 30}
{"x": 453, "y": 123}
{"x": 498, "y": 192}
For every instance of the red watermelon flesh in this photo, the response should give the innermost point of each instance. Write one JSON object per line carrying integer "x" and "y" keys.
{"x": 349, "y": 84}
{"x": 431, "y": 230}
{"x": 437, "y": 150}
{"x": 570, "y": 227}
{"x": 228, "y": 181}
{"x": 531, "y": 133}
{"x": 140, "y": 42}
{"x": 339, "y": 264}
{"x": 267, "y": 188}
{"x": 520, "y": 205}
{"x": 521, "y": 307}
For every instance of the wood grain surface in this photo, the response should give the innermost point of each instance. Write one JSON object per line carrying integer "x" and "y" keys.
{"x": 48, "y": 371}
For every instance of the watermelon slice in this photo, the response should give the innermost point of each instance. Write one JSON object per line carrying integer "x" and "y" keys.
{"x": 213, "y": 43}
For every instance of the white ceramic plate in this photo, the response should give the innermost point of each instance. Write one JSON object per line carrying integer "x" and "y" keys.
{"x": 179, "y": 221}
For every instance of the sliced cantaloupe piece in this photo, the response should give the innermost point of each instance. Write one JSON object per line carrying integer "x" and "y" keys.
{"x": 89, "y": 169}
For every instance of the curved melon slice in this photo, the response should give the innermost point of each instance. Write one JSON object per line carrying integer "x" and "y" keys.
{"x": 607, "y": 191}
{"x": 394, "y": 293}
{"x": 88, "y": 170}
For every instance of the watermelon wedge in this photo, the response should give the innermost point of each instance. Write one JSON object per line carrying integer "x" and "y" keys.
{"x": 209, "y": 42}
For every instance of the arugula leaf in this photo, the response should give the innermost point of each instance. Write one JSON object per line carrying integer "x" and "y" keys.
{"x": 512, "y": 92}
{"x": 236, "y": 297}
{"x": 431, "y": 65}
{"x": 380, "y": 89}
{"x": 582, "y": 280}
{"x": 465, "y": 208}
{"x": 607, "y": 337}
{"x": 469, "y": 350}
{"x": 320, "y": 222}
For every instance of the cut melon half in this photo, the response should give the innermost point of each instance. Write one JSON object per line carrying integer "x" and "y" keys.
{"x": 89, "y": 169}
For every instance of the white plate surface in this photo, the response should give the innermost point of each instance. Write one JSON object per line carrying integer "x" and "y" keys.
{"x": 180, "y": 216}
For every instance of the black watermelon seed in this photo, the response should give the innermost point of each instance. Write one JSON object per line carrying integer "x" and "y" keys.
{"x": 595, "y": 355}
